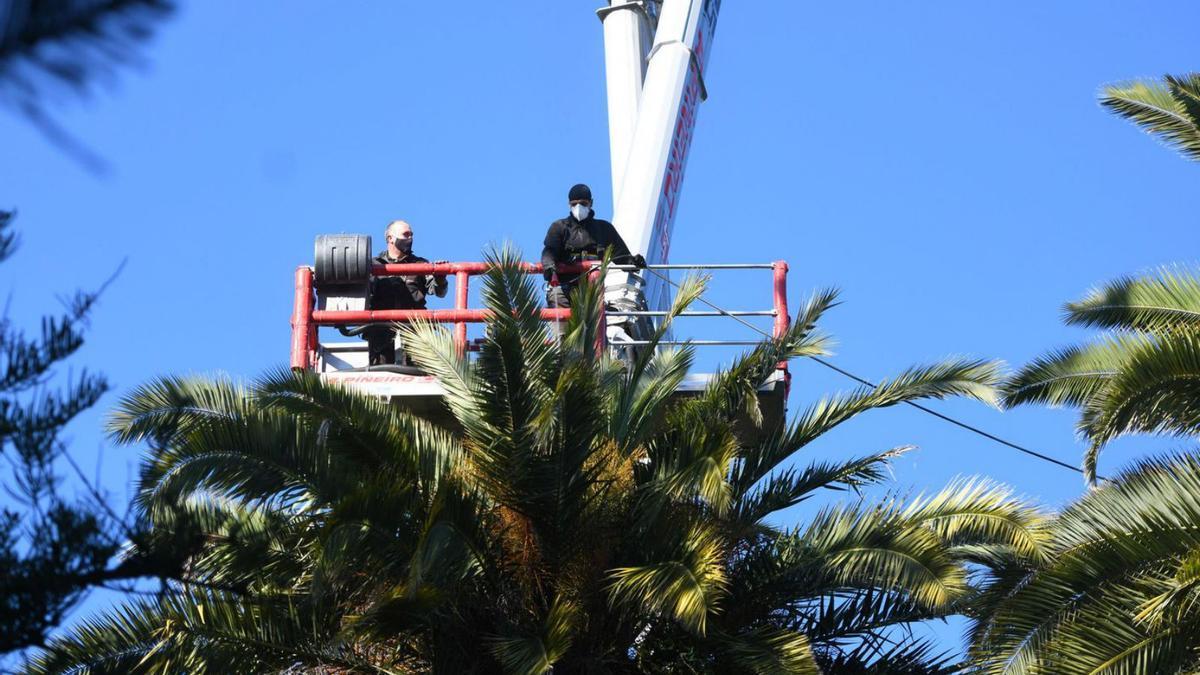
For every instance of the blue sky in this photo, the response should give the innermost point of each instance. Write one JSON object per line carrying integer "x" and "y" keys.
{"x": 944, "y": 164}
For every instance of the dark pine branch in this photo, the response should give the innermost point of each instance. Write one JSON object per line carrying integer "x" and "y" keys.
{"x": 52, "y": 47}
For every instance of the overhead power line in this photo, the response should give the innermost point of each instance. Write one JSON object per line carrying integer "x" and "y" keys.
{"x": 842, "y": 371}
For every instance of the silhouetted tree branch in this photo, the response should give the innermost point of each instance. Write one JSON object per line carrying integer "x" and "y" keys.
{"x": 53, "y": 47}
{"x": 54, "y": 549}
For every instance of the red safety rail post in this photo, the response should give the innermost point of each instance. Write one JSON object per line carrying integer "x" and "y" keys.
{"x": 782, "y": 320}
{"x": 302, "y": 328}
{"x": 462, "y": 281}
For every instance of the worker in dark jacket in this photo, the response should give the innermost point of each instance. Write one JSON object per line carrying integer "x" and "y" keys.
{"x": 398, "y": 292}
{"x": 579, "y": 237}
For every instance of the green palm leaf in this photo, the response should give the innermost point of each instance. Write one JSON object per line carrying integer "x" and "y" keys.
{"x": 733, "y": 390}
{"x": 1167, "y": 109}
{"x": 1157, "y": 391}
{"x": 771, "y": 650}
{"x": 789, "y": 487}
{"x": 981, "y": 512}
{"x": 198, "y": 633}
{"x": 537, "y": 654}
{"x": 1071, "y": 376}
{"x": 962, "y": 377}
{"x": 1143, "y": 377}
{"x": 1163, "y": 302}
{"x": 687, "y": 588}
{"x": 1106, "y": 596}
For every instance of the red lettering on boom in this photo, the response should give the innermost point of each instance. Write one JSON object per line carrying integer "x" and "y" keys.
{"x": 681, "y": 139}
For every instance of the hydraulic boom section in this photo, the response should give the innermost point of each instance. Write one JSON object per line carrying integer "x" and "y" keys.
{"x": 648, "y": 165}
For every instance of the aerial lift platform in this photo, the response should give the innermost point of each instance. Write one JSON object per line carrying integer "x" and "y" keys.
{"x": 335, "y": 293}
{"x": 656, "y": 55}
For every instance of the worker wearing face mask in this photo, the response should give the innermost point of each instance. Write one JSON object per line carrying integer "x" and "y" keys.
{"x": 398, "y": 292}
{"x": 579, "y": 237}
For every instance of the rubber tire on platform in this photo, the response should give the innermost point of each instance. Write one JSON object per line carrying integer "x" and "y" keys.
{"x": 342, "y": 259}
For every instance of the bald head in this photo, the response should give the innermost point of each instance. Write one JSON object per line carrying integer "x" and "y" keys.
{"x": 399, "y": 236}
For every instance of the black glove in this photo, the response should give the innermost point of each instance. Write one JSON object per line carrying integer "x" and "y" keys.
{"x": 549, "y": 273}
{"x": 639, "y": 261}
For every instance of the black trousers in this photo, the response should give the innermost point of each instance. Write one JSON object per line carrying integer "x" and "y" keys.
{"x": 381, "y": 348}
{"x": 558, "y": 297}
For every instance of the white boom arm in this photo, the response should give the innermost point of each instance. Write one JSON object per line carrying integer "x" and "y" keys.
{"x": 628, "y": 33}
{"x": 649, "y": 165}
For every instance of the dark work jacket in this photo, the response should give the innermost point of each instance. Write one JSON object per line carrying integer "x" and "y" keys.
{"x": 570, "y": 240}
{"x": 404, "y": 292}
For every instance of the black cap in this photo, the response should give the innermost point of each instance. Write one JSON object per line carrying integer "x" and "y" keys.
{"x": 580, "y": 191}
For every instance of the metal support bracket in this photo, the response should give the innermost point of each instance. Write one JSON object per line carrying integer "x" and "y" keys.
{"x": 639, "y": 6}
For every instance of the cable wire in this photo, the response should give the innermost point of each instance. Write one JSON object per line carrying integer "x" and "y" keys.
{"x": 866, "y": 382}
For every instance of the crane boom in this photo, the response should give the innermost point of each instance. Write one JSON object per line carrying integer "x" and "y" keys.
{"x": 628, "y": 33}
{"x": 650, "y": 168}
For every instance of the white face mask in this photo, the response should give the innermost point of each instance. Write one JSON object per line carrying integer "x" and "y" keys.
{"x": 580, "y": 211}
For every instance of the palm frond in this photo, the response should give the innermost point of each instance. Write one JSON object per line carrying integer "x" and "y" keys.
{"x": 1166, "y": 109}
{"x": 958, "y": 377}
{"x": 1178, "y": 602}
{"x": 1165, "y": 301}
{"x": 1144, "y": 377}
{"x": 433, "y": 349}
{"x": 789, "y": 487}
{"x": 687, "y": 588}
{"x": 982, "y": 513}
{"x": 732, "y": 391}
{"x": 876, "y": 547}
{"x": 640, "y": 397}
{"x": 1114, "y": 555}
{"x": 904, "y": 656}
{"x": 693, "y": 459}
{"x": 243, "y": 545}
{"x": 852, "y": 615}
{"x": 537, "y": 654}
{"x": 399, "y": 610}
{"x": 266, "y": 455}
{"x": 1157, "y": 391}
{"x": 641, "y": 401}
{"x": 770, "y": 650}
{"x": 199, "y": 632}
{"x": 169, "y": 407}
{"x": 515, "y": 355}
{"x": 367, "y": 430}
{"x": 1071, "y": 376}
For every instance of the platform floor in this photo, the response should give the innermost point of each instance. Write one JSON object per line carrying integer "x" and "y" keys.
{"x": 422, "y": 394}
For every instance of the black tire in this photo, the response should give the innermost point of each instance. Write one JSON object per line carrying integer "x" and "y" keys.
{"x": 342, "y": 259}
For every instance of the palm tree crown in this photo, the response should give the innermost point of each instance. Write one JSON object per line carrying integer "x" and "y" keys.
{"x": 1119, "y": 589}
{"x": 576, "y": 514}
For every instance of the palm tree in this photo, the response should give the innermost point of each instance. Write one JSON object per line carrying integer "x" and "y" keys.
{"x": 1169, "y": 109}
{"x": 1118, "y": 592}
{"x": 575, "y": 514}
{"x": 1142, "y": 376}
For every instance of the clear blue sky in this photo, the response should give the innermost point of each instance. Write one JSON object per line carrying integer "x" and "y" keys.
{"x": 944, "y": 163}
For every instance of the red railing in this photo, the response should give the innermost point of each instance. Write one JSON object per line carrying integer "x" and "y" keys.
{"x": 306, "y": 319}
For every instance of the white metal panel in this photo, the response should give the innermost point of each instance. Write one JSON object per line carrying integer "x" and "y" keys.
{"x": 334, "y": 356}
{"x": 387, "y": 384}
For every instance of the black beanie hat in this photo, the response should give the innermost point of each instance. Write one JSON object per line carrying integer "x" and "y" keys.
{"x": 580, "y": 191}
